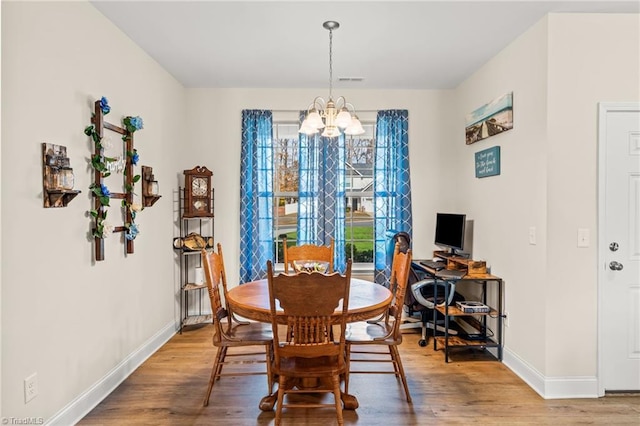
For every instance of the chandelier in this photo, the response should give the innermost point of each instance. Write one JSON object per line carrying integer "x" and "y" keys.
{"x": 335, "y": 117}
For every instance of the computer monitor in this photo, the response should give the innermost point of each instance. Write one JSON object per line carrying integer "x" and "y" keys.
{"x": 450, "y": 228}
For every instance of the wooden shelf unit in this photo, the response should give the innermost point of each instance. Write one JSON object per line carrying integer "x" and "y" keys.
{"x": 190, "y": 259}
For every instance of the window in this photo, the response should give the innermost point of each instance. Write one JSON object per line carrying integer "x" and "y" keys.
{"x": 359, "y": 156}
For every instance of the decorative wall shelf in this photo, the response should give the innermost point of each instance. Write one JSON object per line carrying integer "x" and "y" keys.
{"x": 57, "y": 176}
{"x": 59, "y": 197}
{"x": 149, "y": 187}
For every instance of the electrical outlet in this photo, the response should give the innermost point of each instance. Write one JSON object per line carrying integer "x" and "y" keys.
{"x": 506, "y": 319}
{"x": 30, "y": 387}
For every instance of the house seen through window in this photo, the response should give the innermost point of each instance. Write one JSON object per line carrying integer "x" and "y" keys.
{"x": 359, "y": 155}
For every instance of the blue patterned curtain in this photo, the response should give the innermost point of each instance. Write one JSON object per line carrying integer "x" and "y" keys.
{"x": 392, "y": 186}
{"x": 256, "y": 194}
{"x": 321, "y": 188}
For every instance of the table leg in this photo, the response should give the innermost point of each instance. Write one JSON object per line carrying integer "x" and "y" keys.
{"x": 349, "y": 402}
{"x": 268, "y": 402}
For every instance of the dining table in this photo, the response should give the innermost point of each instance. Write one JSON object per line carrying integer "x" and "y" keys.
{"x": 366, "y": 300}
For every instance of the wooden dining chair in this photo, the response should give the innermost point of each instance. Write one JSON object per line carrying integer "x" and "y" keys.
{"x": 386, "y": 332}
{"x": 223, "y": 279}
{"x": 307, "y": 252}
{"x": 230, "y": 334}
{"x": 309, "y": 301}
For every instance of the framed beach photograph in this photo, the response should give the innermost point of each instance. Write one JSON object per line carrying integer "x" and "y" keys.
{"x": 490, "y": 119}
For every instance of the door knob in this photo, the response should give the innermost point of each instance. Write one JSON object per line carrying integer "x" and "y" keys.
{"x": 615, "y": 266}
{"x": 613, "y": 246}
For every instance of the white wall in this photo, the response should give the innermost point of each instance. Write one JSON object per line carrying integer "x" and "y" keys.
{"x": 558, "y": 70}
{"x": 592, "y": 58}
{"x": 70, "y": 320}
{"x": 504, "y": 207}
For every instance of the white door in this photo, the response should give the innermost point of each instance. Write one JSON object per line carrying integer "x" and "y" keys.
{"x": 619, "y": 247}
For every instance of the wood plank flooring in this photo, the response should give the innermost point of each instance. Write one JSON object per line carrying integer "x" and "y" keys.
{"x": 169, "y": 387}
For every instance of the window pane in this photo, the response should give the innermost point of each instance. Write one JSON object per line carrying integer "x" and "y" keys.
{"x": 285, "y": 218}
{"x": 285, "y": 158}
{"x": 359, "y": 191}
{"x": 359, "y": 186}
{"x": 359, "y": 229}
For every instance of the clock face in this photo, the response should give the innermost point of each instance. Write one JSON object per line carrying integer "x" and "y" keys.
{"x": 199, "y": 187}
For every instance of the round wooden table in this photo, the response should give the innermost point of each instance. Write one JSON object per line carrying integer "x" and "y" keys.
{"x": 366, "y": 300}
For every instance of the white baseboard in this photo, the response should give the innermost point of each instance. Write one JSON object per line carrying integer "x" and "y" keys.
{"x": 89, "y": 399}
{"x": 551, "y": 387}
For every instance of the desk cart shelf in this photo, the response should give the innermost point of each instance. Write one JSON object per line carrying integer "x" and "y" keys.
{"x": 476, "y": 320}
{"x": 476, "y": 275}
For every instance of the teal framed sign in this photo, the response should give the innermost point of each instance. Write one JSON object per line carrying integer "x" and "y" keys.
{"x": 488, "y": 162}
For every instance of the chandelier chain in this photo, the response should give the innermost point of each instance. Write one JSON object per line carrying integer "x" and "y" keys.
{"x": 330, "y": 64}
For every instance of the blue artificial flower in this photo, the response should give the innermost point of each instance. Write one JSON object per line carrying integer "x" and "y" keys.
{"x": 133, "y": 123}
{"x": 137, "y": 122}
{"x": 132, "y": 232}
{"x": 105, "y": 190}
{"x": 104, "y": 105}
{"x": 135, "y": 157}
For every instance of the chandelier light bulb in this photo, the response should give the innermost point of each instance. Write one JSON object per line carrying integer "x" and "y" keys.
{"x": 344, "y": 118}
{"x": 314, "y": 120}
{"x": 355, "y": 127}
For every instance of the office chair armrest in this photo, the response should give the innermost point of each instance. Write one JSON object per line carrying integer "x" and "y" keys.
{"x": 417, "y": 294}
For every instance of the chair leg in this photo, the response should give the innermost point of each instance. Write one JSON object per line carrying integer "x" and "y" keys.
{"x": 348, "y": 367}
{"x": 282, "y": 381}
{"x": 394, "y": 361}
{"x": 269, "y": 354}
{"x": 336, "y": 394}
{"x": 215, "y": 374}
{"x": 402, "y": 376}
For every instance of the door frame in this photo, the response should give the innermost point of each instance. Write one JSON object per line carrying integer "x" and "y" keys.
{"x": 604, "y": 108}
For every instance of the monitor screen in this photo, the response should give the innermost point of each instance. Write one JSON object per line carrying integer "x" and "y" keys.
{"x": 450, "y": 230}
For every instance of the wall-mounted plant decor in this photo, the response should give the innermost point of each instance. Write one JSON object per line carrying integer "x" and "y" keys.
{"x": 103, "y": 166}
{"x": 57, "y": 176}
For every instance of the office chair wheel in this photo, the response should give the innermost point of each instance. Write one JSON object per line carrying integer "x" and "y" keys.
{"x": 422, "y": 342}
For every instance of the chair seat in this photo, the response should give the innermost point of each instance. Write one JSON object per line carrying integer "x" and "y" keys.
{"x": 309, "y": 367}
{"x": 249, "y": 334}
{"x": 362, "y": 333}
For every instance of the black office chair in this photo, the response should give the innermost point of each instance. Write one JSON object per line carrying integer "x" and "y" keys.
{"x": 419, "y": 299}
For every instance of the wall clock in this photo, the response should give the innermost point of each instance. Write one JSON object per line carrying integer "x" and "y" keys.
{"x": 197, "y": 192}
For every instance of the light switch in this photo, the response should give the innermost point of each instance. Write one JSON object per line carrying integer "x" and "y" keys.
{"x": 583, "y": 237}
{"x": 532, "y": 235}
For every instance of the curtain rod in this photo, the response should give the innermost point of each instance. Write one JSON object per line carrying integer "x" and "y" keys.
{"x": 298, "y": 110}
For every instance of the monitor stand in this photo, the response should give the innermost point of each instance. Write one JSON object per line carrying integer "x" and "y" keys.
{"x": 454, "y": 253}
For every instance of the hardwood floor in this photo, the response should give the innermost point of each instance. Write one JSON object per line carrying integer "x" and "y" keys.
{"x": 169, "y": 387}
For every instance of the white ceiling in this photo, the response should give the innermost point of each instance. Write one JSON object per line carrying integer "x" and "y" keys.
{"x": 281, "y": 44}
